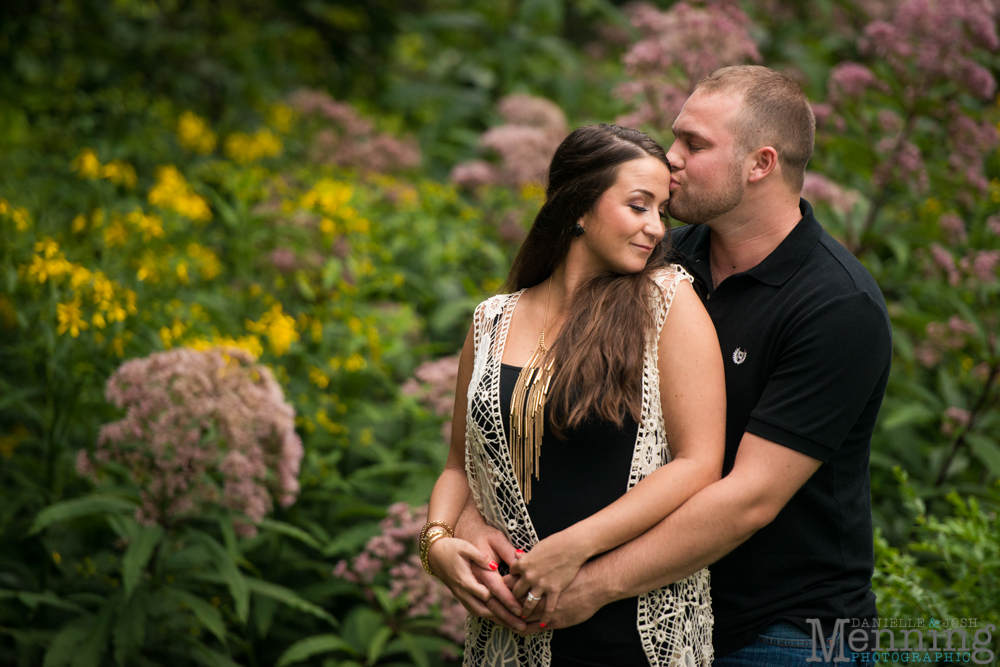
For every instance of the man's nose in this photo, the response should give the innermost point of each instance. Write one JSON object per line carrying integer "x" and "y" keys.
{"x": 674, "y": 158}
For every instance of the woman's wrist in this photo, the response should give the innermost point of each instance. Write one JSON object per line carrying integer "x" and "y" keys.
{"x": 577, "y": 543}
{"x": 431, "y": 533}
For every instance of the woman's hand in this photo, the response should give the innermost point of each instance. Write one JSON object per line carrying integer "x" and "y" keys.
{"x": 545, "y": 572}
{"x": 453, "y": 561}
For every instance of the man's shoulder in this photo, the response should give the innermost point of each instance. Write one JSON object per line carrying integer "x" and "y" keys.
{"x": 834, "y": 272}
{"x": 683, "y": 240}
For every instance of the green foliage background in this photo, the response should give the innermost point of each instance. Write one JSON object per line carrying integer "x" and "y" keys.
{"x": 390, "y": 282}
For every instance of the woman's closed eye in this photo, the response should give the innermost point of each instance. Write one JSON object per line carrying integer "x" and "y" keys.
{"x": 637, "y": 208}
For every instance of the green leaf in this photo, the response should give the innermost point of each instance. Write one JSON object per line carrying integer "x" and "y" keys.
{"x": 206, "y": 656}
{"x": 415, "y": 650}
{"x": 263, "y": 614}
{"x": 130, "y": 629}
{"x": 289, "y": 598}
{"x": 78, "y": 507}
{"x": 310, "y": 646}
{"x": 377, "y": 644}
{"x": 986, "y": 450}
{"x": 207, "y": 614}
{"x": 230, "y": 574}
{"x": 912, "y": 413}
{"x": 93, "y": 648}
{"x": 140, "y": 550}
{"x": 290, "y": 531}
{"x": 34, "y": 599}
{"x": 66, "y": 644}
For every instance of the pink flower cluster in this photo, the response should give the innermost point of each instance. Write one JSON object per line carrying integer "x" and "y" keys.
{"x": 352, "y": 140}
{"x": 200, "y": 429}
{"x": 977, "y": 265}
{"x": 933, "y": 41}
{"x": 525, "y": 144}
{"x": 433, "y": 383}
{"x": 942, "y": 337}
{"x": 677, "y": 48}
{"x": 926, "y": 46}
{"x": 817, "y": 188}
{"x": 955, "y": 417}
{"x": 395, "y": 552}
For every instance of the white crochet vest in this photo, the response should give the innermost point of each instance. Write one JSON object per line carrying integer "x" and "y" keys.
{"x": 675, "y": 622}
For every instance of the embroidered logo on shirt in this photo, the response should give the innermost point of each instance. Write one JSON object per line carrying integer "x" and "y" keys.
{"x": 739, "y": 356}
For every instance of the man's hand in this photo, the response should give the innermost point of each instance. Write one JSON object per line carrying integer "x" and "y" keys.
{"x": 502, "y": 607}
{"x": 545, "y": 572}
{"x": 578, "y": 602}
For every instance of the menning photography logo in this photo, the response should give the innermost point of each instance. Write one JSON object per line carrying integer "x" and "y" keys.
{"x": 939, "y": 640}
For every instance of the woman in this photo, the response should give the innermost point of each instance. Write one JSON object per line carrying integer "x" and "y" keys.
{"x": 569, "y": 389}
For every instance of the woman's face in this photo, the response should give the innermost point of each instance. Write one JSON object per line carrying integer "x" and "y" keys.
{"x": 625, "y": 224}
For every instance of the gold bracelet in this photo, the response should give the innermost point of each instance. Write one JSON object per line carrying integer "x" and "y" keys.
{"x": 434, "y": 534}
{"x": 431, "y": 524}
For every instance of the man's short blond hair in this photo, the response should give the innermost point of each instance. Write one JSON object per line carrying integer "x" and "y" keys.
{"x": 774, "y": 111}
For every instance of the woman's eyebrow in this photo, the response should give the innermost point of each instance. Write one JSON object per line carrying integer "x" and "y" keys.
{"x": 645, "y": 192}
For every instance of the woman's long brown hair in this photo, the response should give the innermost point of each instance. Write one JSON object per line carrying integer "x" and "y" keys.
{"x": 599, "y": 352}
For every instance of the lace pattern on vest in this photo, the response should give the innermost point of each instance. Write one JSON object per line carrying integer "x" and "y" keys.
{"x": 674, "y": 622}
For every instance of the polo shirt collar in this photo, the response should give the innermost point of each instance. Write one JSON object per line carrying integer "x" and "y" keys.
{"x": 783, "y": 261}
{"x": 786, "y": 259}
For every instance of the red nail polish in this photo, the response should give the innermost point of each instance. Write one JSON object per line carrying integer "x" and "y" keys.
{"x": 493, "y": 565}
{"x": 541, "y": 625}
{"x": 520, "y": 551}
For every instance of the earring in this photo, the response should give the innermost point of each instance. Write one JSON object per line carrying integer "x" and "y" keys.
{"x": 578, "y": 230}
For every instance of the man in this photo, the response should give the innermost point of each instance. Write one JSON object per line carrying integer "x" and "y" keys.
{"x": 807, "y": 345}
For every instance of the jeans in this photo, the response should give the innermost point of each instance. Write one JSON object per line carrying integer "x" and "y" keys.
{"x": 786, "y": 645}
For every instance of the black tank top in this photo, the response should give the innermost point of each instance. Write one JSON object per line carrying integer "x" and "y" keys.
{"x": 578, "y": 477}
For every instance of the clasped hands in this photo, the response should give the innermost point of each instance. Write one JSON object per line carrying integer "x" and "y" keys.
{"x": 470, "y": 568}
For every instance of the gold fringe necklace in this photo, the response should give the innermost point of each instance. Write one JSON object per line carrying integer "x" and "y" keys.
{"x": 527, "y": 411}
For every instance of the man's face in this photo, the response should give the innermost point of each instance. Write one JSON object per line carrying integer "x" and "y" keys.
{"x": 706, "y": 178}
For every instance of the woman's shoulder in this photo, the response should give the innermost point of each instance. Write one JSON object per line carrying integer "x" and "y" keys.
{"x": 668, "y": 276}
{"x": 494, "y": 306}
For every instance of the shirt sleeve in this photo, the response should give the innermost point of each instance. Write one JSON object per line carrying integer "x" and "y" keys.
{"x": 833, "y": 360}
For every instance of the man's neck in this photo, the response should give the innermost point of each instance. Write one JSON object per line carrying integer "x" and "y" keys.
{"x": 741, "y": 243}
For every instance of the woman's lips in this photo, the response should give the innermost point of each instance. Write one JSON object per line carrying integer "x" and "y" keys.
{"x": 644, "y": 248}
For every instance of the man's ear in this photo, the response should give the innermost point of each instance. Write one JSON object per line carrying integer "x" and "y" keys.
{"x": 765, "y": 161}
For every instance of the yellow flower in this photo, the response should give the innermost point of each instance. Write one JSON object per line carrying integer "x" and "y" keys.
{"x": 47, "y": 247}
{"x": 148, "y": 269}
{"x": 280, "y": 116}
{"x": 98, "y": 320}
{"x": 21, "y": 219}
{"x": 251, "y": 344}
{"x": 8, "y": 314}
{"x": 318, "y": 378}
{"x": 4, "y": 206}
{"x": 328, "y": 196}
{"x": 104, "y": 289}
{"x": 278, "y": 327}
{"x": 194, "y": 134}
{"x": 118, "y": 343}
{"x": 86, "y": 164}
{"x": 150, "y": 225}
{"x": 208, "y": 263}
{"x": 182, "y": 271}
{"x": 79, "y": 275}
{"x": 355, "y": 362}
{"x": 172, "y": 191}
{"x": 115, "y": 234}
{"x": 245, "y": 148}
{"x": 70, "y": 318}
{"x": 119, "y": 173}
{"x": 79, "y": 223}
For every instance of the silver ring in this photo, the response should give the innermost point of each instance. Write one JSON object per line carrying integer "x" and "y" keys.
{"x": 532, "y": 598}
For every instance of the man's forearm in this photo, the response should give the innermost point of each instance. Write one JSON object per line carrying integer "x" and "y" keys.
{"x": 705, "y": 528}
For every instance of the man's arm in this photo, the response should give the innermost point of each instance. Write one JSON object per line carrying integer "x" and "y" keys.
{"x": 712, "y": 523}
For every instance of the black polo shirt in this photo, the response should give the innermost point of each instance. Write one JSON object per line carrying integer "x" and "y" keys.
{"x": 807, "y": 346}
